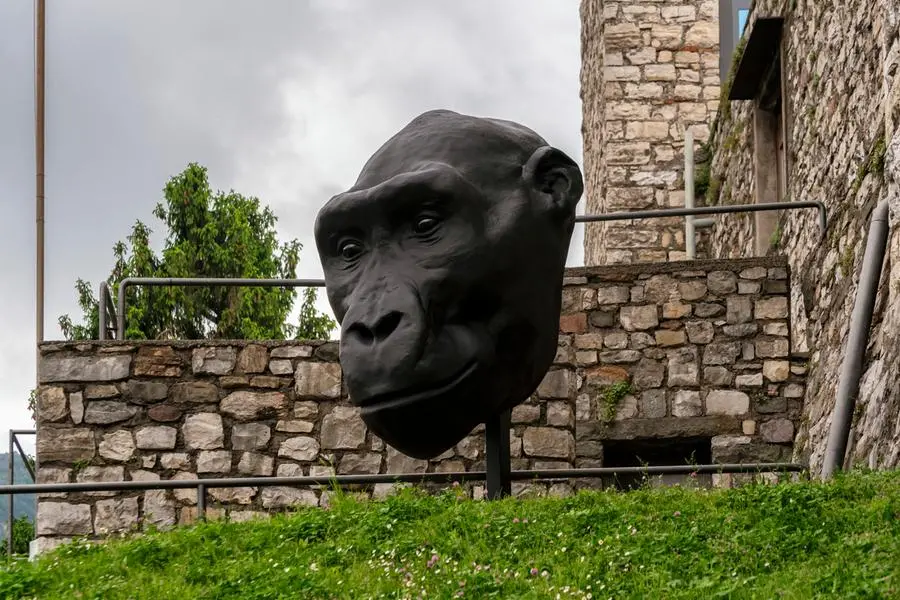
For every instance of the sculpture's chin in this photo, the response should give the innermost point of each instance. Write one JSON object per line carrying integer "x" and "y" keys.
{"x": 425, "y": 422}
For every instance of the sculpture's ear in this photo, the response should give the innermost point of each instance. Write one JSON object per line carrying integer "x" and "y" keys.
{"x": 555, "y": 178}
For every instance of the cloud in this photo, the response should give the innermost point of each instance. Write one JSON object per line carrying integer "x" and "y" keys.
{"x": 284, "y": 100}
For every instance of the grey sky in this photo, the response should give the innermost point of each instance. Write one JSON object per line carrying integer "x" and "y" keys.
{"x": 283, "y": 99}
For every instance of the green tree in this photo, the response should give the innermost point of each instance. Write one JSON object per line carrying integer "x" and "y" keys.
{"x": 209, "y": 234}
{"x": 22, "y": 534}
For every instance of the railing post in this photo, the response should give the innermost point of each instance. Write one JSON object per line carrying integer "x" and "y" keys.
{"x": 10, "y": 498}
{"x": 496, "y": 438}
{"x": 201, "y": 502}
{"x": 690, "y": 246}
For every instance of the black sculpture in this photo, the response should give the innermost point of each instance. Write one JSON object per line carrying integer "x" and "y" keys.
{"x": 444, "y": 265}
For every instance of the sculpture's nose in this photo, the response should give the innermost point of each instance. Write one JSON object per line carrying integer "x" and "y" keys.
{"x": 382, "y": 339}
{"x": 374, "y": 331}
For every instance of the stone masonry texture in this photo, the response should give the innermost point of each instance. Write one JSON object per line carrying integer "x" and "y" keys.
{"x": 650, "y": 70}
{"x": 695, "y": 349}
{"x": 841, "y": 92}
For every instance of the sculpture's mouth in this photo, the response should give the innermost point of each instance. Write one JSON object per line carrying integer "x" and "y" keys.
{"x": 413, "y": 395}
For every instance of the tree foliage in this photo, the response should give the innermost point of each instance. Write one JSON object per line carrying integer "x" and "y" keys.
{"x": 209, "y": 234}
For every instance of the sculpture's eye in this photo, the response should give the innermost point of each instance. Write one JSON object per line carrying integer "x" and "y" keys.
{"x": 425, "y": 225}
{"x": 350, "y": 249}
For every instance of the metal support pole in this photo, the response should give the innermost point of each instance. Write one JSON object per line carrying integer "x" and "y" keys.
{"x": 104, "y": 296}
{"x": 10, "y": 498}
{"x": 24, "y": 456}
{"x": 201, "y": 502}
{"x": 496, "y": 438}
{"x": 857, "y": 340}
{"x": 690, "y": 245}
{"x": 40, "y": 35}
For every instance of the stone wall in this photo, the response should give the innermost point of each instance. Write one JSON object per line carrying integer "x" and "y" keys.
{"x": 650, "y": 70}
{"x": 666, "y": 352}
{"x": 842, "y": 103}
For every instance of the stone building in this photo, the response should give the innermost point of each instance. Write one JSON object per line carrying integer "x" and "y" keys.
{"x": 808, "y": 109}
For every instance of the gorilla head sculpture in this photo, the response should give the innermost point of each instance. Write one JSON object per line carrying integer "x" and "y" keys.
{"x": 444, "y": 265}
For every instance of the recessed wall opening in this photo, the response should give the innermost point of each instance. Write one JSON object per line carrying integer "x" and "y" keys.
{"x": 656, "y": 452}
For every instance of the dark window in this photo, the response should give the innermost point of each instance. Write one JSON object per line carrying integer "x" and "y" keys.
{"x": 656, "y": 452}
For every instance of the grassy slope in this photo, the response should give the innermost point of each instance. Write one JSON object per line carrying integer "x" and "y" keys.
{"x": 836, "y": 540}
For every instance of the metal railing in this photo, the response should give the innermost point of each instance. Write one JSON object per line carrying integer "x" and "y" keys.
{"x": 15, "y": 446}
{"x": 116, "y": 314}
{"x": 202, "y": 485}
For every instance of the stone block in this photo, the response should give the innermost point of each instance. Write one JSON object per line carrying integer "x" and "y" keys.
{"x": 666, "y": 337}
{"x": 252, "y": 359}
{"x": 609, "y": 295}
{"x": 727, "y": 402}
{"x": 175, "y": 460}
{"x": 286, "y": 497}
{"x": 739, "y": 310}
{"x": 699, "y": 332}
{"x": 292, "y": 352}
{"x": 98, "y": 474}
{"x": 281, "y": 367}
{"x": 648, "y": 374}
{"x": 343, "y": 429}
{"x": 590, "y": 341}
{"x": 749, "y": 380}
{"x": 156, "y": 437}
{"x": 269, "y": 382}
{"x": 306, "y": 410}
{"x": 67, "y": 445}
{"x": 106, "y": 412}
{"x": 164, "y": 413}
{"x": 686, "y": 403}
{"x": 360, "y": 464}
{"x": 92, "y": 368}
{"x": 250, "y": 406}
{"x": 741, "y": 330}
{"x": 559, "y": 414}
{"x": 117, "y": 446}
{"x": 318, "y": 380}
{"x": 573, "y": 323}
{"x": 775, "y": 307}
{"x": 616, "y": 340}
{"x": 776, "y": 370}
{"x": 721, "y": 353}
{"x": 203, "y": 431}
{"x": 691, "y": 290}
{"x": 652, "y": 404}
{"x": 777, "y": 431}
{"x": 748, "y": 427}
{"x": 214, "y": 461}
{"x": 215, "y": 360}
{"x": 115, "y": 515}
{"x": 770, "y": 404}
{"x": 301, "y": 447}
{"x": 76, "y": 407}
{"x": 721, "y": 283}
{"x": 548, "y": 442}
{"x": 294, "y": 426}
{"x": 63, "y": 518}
{"x": 556, "y": 384}
{"x": 51, "y": 404}
{"x": 706, "y": 310}
{"x": 772, "y": 348}
{"x": 194, "y": 392}
{"x": 639, "y": 318}
{"x": 159, "y": 509}
{"x": 145, "y": 392}
{"x": 252, "y": 463}
{"x": 526, "y": 413}
{"x": 683, "y": 368}
{"x": 157, "y": 361}
{"x": 241, "y": 495}
{"x": 717, "y": 376}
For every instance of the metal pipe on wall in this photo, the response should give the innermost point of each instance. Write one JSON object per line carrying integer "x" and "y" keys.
{"x": 857, "y": 341}
{"x": 10, "y": 498}
{"x": 40, "y": 35}
{"x": 690, "y": 245}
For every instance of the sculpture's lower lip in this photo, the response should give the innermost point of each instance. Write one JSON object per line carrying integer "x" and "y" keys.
{"x": 407, "y": 397}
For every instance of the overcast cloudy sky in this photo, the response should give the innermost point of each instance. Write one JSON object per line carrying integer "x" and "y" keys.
{"x": 283, "y": 99}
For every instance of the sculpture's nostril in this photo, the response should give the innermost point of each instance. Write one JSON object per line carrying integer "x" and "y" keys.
{"x": 387, "y": 324}
{"x": 383, "y": 328}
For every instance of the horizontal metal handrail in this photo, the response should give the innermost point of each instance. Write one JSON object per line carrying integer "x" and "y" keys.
{"x": 709, "y": 210}
{"x": 461, "y": 476}
{"x": 200, "y": 282}
{"x": 615, "y": 216}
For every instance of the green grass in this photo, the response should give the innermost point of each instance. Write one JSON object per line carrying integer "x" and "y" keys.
{"x": 790, "y": 540}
